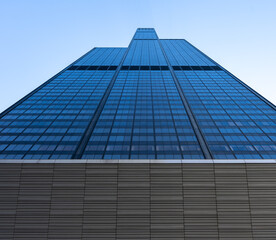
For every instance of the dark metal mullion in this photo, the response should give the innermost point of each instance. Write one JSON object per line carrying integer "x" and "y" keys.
{"x": 199, "y": 135}
{"x": 133, "y": 120}
{"x": 134, "y": 115}
{"x": 174, "y": 124}
{"x": 153, "y": 115}
{"x": 89, "y": 130}
{"x": 115, "y": 114}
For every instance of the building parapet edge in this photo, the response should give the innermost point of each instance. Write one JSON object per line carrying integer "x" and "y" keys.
{"x": 145, "y": 161}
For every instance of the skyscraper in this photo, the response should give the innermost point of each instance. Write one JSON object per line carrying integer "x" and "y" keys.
{"x": 158, "y": 99}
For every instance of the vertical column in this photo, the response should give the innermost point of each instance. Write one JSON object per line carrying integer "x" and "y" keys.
{"x": 192, "y": 119}
{"x": 85, "y": 138}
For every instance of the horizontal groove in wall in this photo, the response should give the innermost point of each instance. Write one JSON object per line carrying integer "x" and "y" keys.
{"x": 125, "y": 201}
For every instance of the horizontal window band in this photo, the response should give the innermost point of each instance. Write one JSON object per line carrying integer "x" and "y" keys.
{"x": 196, "y": 68}
{"x": 144, "y": 68}
{"x": 100, "y": 68}
{"x": 139, "y": 38}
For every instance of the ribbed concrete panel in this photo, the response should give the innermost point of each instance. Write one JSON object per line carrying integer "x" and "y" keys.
{"x": 133, "y": 203}
{"x": 9, "y": 191}
{"x": 34, "y": 201}
{"x": 233, "y": 206}
{"x": 100, "y": 202}
{"x": 66, "y": 212}
{"x": 137, "y": 201}
{"x": 200, "y": 210}
{"x": 166, "y": 201}
{"x": 262, "y": 194}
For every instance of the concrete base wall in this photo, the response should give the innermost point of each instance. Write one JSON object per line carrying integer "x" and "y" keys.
{"x": 137, "y": 201}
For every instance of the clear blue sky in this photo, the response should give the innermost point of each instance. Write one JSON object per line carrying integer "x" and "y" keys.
{"x": 40, "y": 38}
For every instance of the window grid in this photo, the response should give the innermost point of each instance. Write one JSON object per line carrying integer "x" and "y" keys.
{"x": 229, "y": 115}
{"x": 143, "y": 118}
{"x": 102, "y": 56}
{"x": 50, "y": 123}
{"x": 144, "y": 52}
{"x": 180, "y": 53}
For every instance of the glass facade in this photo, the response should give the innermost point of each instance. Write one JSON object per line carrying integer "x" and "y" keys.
{"x": 156, "y": 99}
{"x": 181, "y": 53}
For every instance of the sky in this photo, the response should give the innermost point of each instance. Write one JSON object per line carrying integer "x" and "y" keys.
{"x": 40, "y": 38}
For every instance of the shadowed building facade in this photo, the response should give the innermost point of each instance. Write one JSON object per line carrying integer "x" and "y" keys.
{"x": 153, "y": 141}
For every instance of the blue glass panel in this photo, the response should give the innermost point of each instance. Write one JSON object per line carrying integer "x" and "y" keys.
{"x": 232, "y": 119}
{"x": 143, "y": 118}
{"x": 103, "y": 56}
{"x": 144, "y": 52}
{"x": 51, "y": 122}
{"x": 145, "y": 33}
{"x": 181, "y": 53}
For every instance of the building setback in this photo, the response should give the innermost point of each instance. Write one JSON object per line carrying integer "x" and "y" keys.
{"x": 153, "y": 141}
